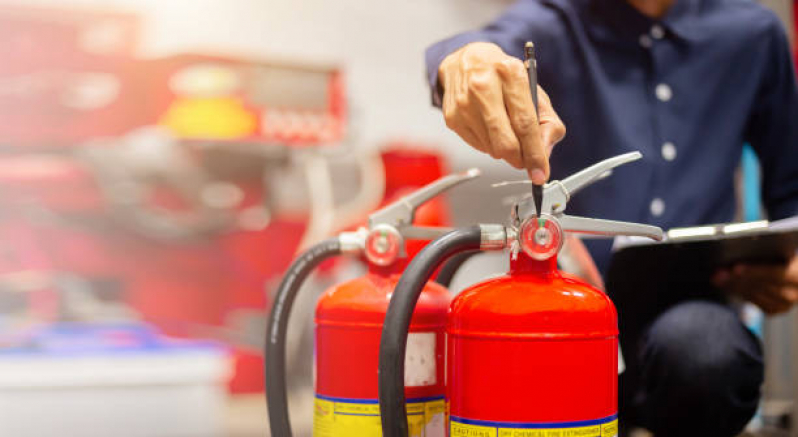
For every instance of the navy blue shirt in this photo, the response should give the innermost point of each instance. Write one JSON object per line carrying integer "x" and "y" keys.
{"x": 687, "y": 91}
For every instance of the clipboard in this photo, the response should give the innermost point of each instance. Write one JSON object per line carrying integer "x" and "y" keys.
{"x": 694, "y": 254}
{"x": 646, "y": 278}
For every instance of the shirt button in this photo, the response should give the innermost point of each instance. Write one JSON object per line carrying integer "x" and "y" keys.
{"x": 664, "y": 92}
{"x": 645, "y": 41}
{"x": 669, "y": 151}
{"x": 657, "y": 207}
{"x": 657, "y": 32}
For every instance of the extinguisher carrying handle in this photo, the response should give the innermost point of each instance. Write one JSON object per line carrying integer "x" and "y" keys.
{"x": 401, "y": 213}
{"x": 393, "y": 409}
{"x": 276, "y": 390}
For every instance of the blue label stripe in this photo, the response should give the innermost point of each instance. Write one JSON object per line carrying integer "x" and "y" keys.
{"x": 372, "y": 415}
{"x": 357, "y": 414}
{"x": 537, "y": 425}
{"x": 377, "y": 401}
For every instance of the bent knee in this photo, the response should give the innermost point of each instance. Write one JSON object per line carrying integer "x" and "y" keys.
{"x": 704, "y": 338}
{"x": 700, "y": 360}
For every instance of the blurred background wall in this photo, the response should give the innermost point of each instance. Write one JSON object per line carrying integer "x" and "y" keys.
{"x": 380, "y": 44}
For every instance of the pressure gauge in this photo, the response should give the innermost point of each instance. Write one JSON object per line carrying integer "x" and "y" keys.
{"x": 541, "y": 237}
{"x": 384, "y": 245}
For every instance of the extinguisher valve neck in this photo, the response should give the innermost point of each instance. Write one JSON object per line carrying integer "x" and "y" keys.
{"x": 495, "y": 237}
{"x": 353, "y": 242}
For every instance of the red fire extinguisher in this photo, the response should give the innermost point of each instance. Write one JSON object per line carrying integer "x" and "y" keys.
{"x": 531, "y": 353}
{"x": 349, "y": 320}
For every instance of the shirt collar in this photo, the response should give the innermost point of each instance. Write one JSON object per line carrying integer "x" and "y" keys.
{"x": 682, "y": 17}
{"x": 620, "y": 19}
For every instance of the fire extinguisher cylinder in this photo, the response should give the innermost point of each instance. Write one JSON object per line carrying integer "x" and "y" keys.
{"x": 349, "y": 318}
{"x": 553, "y": 336}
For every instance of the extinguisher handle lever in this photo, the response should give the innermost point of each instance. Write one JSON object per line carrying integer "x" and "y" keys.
{"x": 583, "y": 225}
{"x": 402, "y": 212}
{"x": 595, "y": 172}
{"x": 556, "y": 194}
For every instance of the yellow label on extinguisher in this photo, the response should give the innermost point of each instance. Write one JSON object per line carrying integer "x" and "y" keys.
{"x": 461, "y": 427}
{"x": 337, "y": 417}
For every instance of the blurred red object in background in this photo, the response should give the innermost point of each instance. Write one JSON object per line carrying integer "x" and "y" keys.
{"x": 66, "y": 75}
{"x": 70, "y": 78}
{"x": 223, "y": 98}
{"x": 409, "y": 166}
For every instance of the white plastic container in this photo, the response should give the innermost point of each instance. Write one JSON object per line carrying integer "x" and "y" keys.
{"x": 133, "y": 389}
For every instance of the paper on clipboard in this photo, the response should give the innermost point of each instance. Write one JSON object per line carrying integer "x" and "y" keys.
{"x": 788, "y": 224}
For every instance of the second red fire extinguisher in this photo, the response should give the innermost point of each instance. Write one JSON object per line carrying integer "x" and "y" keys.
{"x": 533, "y": 353}
{"x": 349, "y": 320}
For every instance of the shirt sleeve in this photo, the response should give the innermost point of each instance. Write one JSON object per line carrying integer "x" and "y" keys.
{"x": 773, "y": 128}
{"x": 524, "y": 21}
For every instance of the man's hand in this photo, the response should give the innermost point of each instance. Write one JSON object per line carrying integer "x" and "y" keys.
{"x": 773, "y": 288}
{"x": 488, "y": 103}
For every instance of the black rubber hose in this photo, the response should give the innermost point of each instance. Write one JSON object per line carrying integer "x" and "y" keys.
{"x": 452, "y": 266}
{"x": 397, "y": 322}
{"x": 276, "y": 390}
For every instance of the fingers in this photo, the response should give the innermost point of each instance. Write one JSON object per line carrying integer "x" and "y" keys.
{"x": 457, "y": 119}
{"x": 456, "y": 114}
{"x": 487, "y": 102}
{"x": 772, "y": 301}
{"x": 477, "y": 114}
{"x": 523, "y": 118}
{"x": 473, "y": 107}
{"x": 790, "y": 292}
{"x": 767, "y": 297}
{"x": 760, "y": 273}
{"x": 791, "y": 275}
{"x": 485, "y": 90}
{"x": 767, "y": 286}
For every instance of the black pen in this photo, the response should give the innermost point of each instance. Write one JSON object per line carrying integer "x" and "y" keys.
{"x": 532, "y": 71}
{"x": 531, "y": 68}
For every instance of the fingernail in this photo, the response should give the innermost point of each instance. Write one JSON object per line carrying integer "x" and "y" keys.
{"x": 537, "y": 176}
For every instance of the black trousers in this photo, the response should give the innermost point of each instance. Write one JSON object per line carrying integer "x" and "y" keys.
{"x": 696, "y": 370}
